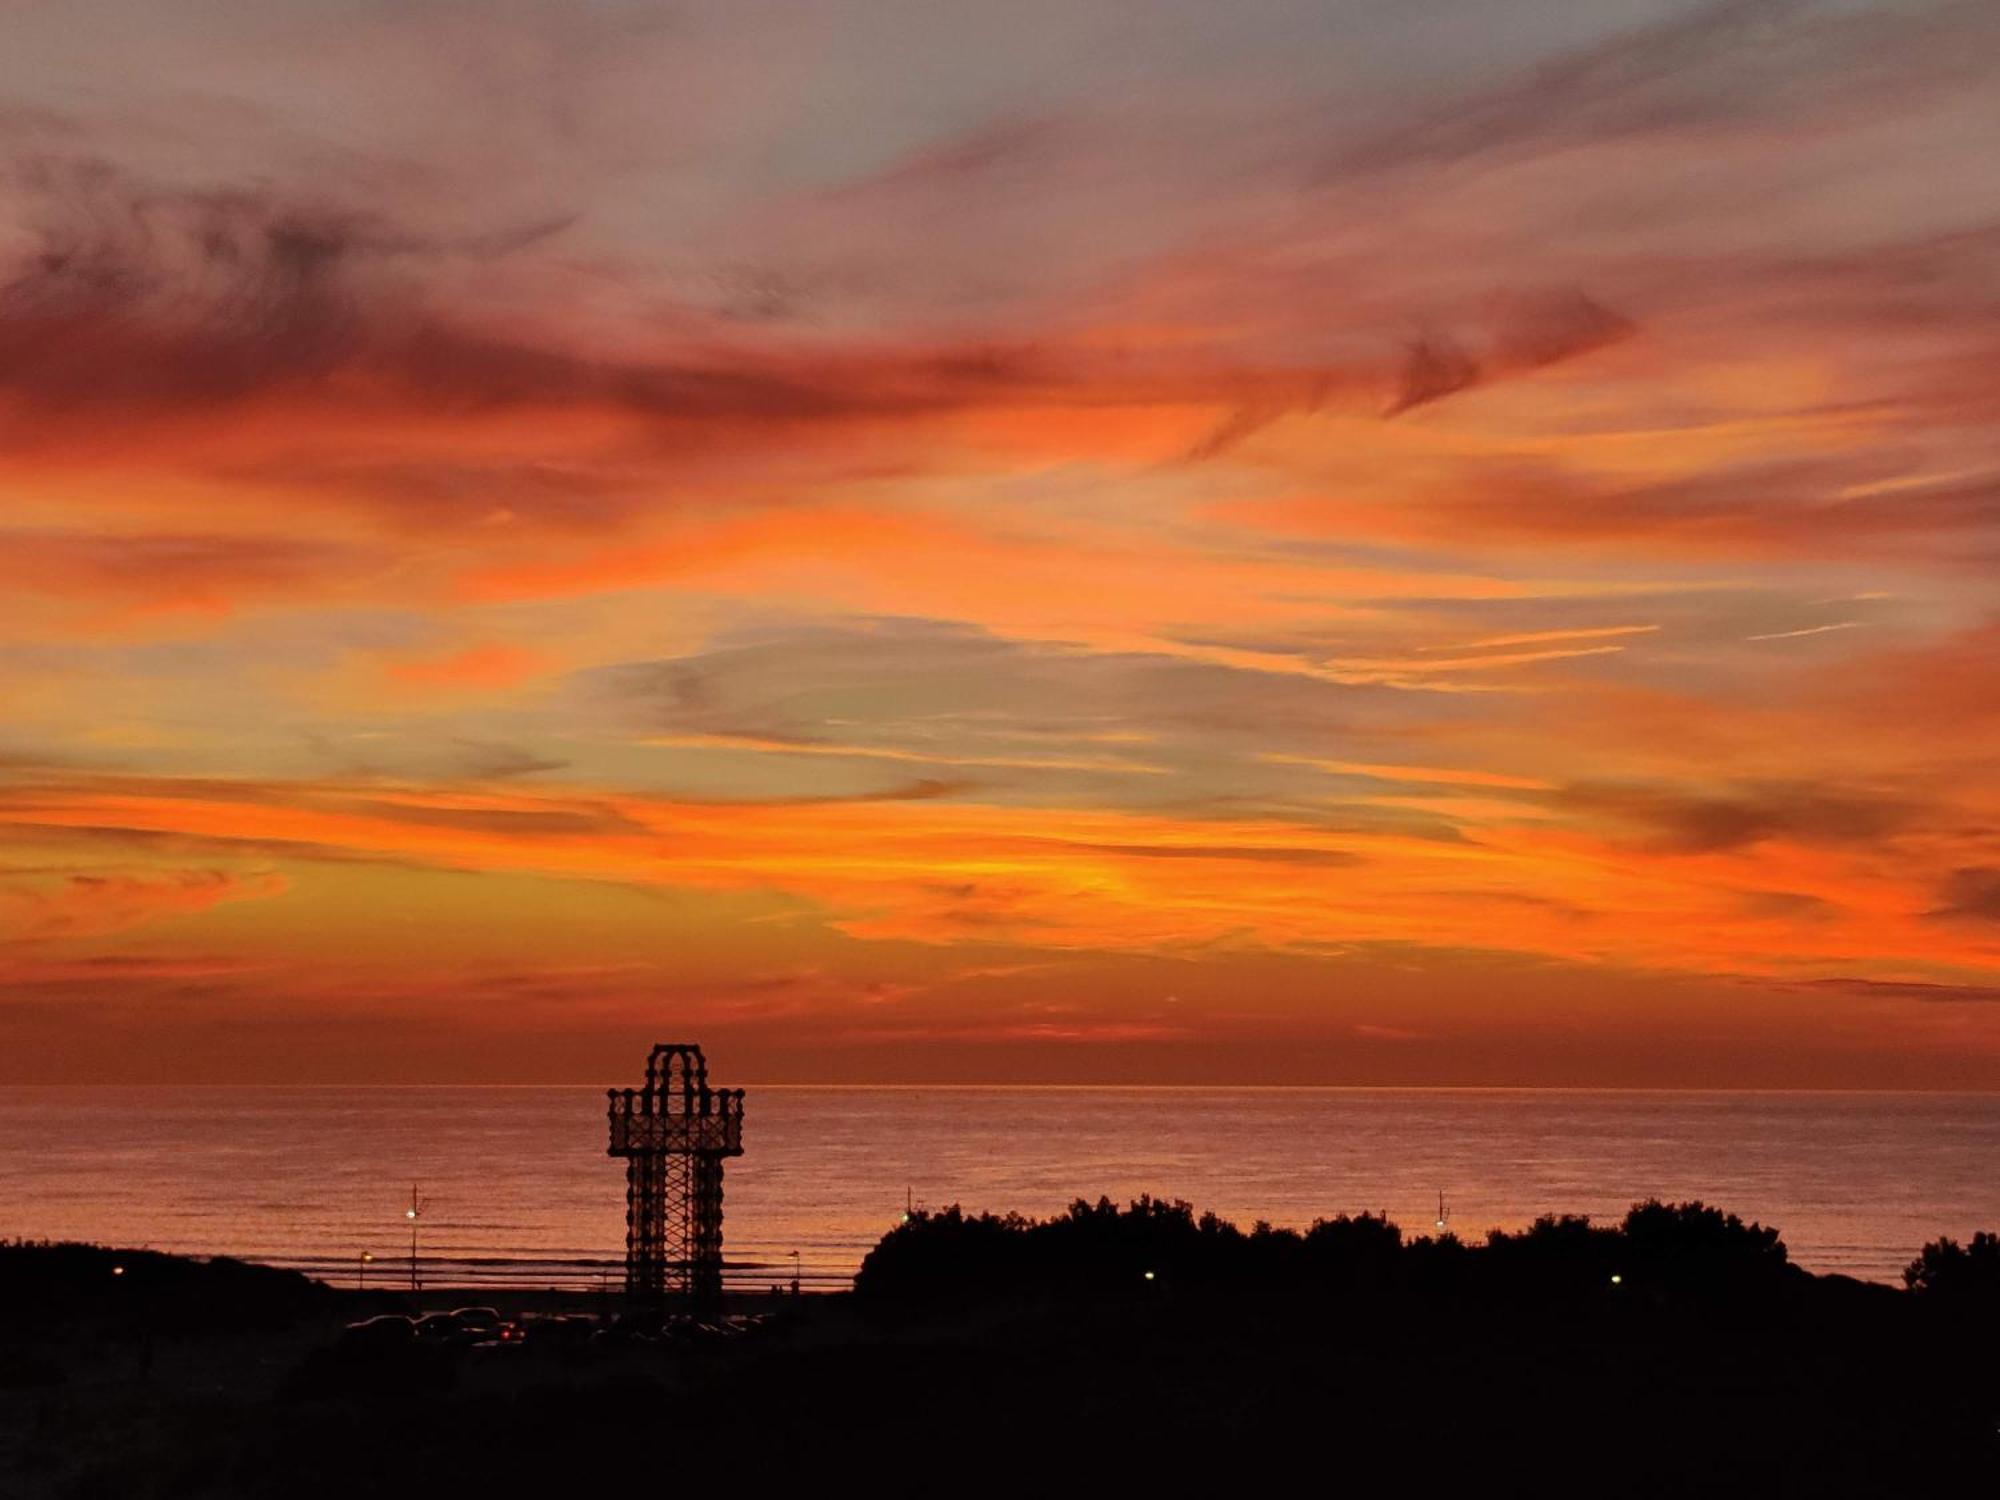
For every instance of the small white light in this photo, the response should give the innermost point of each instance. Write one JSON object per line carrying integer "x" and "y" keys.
{"x": 1149, "y": 1275}
{"x": 1616, "y": 1279}
{"x": 117, "y": 1270}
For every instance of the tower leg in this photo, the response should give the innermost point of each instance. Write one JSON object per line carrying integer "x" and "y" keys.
{"x": 645, "y": 1228}
{"x": 673, "y": 1228}
{"x": 705, "y": 1236}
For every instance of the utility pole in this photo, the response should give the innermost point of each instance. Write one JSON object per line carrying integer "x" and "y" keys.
{"x": 413, "y": 1213}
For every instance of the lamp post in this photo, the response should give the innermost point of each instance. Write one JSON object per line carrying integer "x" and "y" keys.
{"x": 413, "y": 1213}
{"x": 361, "y": 1270}
{"x": 795, "y": 1273}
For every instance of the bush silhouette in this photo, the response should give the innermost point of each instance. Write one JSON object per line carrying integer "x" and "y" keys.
{"x": 1152, "y": 1245}
{"x": 1352, "y": 1253}
{"x": 1692, "y": 1247}
{"x": 947, "y": 1253}
{"x": 1963, "y": 1277}
{"x": 1559, "y": 1255}
{"x": 46, "y": 1281}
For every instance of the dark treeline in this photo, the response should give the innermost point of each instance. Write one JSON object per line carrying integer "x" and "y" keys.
{"x": 48, "y": 1284}
{"x": 1963, "y": 1277}
{"x": 1671, "y": 1252}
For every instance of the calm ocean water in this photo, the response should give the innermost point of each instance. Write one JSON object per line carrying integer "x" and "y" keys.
{"x": 520, "y": 1192}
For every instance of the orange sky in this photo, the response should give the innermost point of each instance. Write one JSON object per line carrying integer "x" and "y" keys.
{"x": 1271, "y": 543}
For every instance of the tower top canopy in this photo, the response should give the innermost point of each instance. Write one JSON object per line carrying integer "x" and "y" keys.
{"x": 676, "y": 1067}
{"x": 676, "y": 1111}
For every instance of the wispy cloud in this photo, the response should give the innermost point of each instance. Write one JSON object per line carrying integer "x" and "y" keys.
{"x": 1538, "y": 637}
{"x": 1786, "y": 635}
{"x": 525, "y": 495}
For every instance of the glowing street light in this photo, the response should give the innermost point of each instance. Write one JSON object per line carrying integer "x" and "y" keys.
{"x": 413, "y": 1213}
{"x": 361, "y": 1274}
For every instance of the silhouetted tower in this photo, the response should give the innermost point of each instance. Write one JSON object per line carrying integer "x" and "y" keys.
{"x": 673, "y": 1134}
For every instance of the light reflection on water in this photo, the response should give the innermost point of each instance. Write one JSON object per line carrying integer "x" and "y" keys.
{"x": 520, "y": 1189}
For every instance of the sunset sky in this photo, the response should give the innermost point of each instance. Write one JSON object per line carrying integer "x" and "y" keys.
{"x": 1296, "y": 541}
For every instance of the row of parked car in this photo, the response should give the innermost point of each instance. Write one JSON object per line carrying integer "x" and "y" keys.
{"x": 654, "y": 1328}
{"x": 482, "y": 1329}
{"x": 462, "y": 1328}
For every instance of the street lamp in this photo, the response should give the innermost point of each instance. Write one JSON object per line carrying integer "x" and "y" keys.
{"x": 413, "y": 1213}
{"x": 361, "y": 1274}
{"x": 795, "y": 1273}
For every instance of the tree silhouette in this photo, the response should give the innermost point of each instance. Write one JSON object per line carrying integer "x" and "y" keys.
{"x": 1094, "y": 1249}
{"x": 1960, "y": 1276}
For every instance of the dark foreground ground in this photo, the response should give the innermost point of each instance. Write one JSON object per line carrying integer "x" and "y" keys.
{"x": 179, "y": 1378}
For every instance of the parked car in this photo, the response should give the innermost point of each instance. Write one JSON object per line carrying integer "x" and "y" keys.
{"x": 389, "y": 1331}
{"x": 448, "y": 1330}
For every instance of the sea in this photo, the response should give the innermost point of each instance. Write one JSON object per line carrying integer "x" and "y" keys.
{"x": 513, "y": 1188}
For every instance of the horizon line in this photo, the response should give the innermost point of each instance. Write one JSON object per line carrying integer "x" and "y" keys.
{"x": 1032, "y": 1087}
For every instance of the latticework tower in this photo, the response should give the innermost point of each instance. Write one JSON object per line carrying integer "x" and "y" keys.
{"x": 673, "y": 1134}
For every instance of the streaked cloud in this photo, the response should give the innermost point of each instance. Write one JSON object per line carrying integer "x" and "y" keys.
{"x": 1786, "y": 635}
{"x": 1471, "y": 531}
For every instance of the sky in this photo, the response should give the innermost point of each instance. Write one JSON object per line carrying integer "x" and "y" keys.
{"x": 1346, "y": 542}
